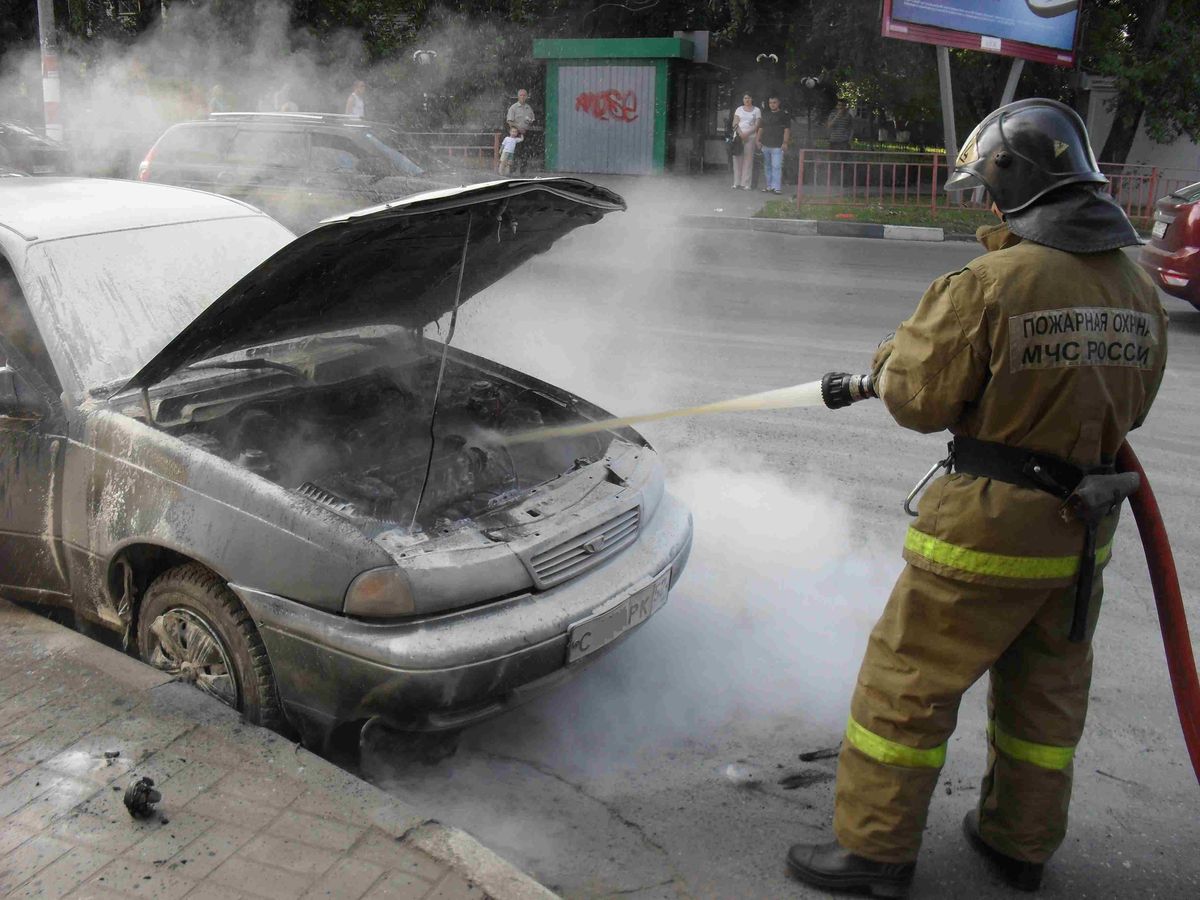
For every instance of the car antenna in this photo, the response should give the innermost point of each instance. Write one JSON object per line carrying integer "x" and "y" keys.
{"x": 462, "y": 268}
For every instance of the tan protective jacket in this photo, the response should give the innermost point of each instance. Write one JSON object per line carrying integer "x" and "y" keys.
{"x": 1031, "y": 347}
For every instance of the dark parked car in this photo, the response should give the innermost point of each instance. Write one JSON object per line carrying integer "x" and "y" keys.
{"x": 26, "y": 151}
{"x": 1172, "y": 257}
{"x": 247, "y": 454}
{"x": 298, "y": 167}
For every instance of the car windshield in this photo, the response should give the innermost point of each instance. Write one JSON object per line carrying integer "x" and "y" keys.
{"x": 107, "y": 303}
{"x": 1191, "y": 193}
{"x": 383, "y": 142}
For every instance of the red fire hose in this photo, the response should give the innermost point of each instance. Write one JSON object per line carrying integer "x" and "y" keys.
{"x": 1171, "y": 617}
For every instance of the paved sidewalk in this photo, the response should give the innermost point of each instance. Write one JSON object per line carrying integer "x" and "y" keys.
{"x": 245, "y": 813}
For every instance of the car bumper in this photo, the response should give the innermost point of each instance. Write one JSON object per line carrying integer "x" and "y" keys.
{"x": 1177, "y": 272}
{"x": 450, "y": 670}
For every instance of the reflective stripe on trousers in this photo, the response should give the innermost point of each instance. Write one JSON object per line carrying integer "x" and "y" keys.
{"x": 890, "y": 753}
{"x": 1047, "y": 756}
{"x": 980, "y": 562}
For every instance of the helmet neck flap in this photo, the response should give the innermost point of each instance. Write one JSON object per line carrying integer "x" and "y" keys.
{"x": 1079, "y": 218}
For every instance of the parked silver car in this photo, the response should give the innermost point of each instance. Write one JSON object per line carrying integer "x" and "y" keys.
{"x": 251, "y": 456}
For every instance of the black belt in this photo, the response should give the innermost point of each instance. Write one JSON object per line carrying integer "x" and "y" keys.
{"x": 1044, "y": 472}
{"x": 1016, "y": 465}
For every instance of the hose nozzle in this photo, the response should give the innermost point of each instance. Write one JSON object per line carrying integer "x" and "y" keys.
{"x": 840, "y": 389}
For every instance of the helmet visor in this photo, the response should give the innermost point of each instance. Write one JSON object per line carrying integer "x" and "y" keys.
{"x": 963, "y": 180}
{"x": 970, "y": 149}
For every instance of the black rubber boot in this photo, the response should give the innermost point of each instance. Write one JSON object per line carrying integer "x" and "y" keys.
{"x": 1024, "y": 876}
{"x": 834, "y": 868}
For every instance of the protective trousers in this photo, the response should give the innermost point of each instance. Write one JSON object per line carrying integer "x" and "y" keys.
{"x": 935, "y": 638}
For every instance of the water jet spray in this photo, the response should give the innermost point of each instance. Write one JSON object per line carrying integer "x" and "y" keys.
{"x": 834, "y": 390}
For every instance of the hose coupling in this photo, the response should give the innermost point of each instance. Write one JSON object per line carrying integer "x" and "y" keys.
{"x": 840, "y": 389}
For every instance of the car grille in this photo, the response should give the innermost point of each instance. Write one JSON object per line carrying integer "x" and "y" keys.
{"x": 587, "y": 550}
{"x": 328, "y": 499}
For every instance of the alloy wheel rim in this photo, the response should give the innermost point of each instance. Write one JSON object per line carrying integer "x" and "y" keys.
{"x": 187, "y": 647}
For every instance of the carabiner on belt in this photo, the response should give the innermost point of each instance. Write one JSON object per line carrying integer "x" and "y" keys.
{"x": 947, "y": 464}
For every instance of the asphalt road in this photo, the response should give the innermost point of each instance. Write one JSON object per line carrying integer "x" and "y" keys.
{"x": 671, "y": 767}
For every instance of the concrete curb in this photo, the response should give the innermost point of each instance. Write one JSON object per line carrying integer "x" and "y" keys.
{"x": 451, "y": 847}
{"x": 822, "y": 227}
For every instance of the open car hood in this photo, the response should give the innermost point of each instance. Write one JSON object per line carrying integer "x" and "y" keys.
{"x": 392, "y": 264}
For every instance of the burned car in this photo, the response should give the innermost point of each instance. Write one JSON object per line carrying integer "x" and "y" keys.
{"x": 262, "y": 463}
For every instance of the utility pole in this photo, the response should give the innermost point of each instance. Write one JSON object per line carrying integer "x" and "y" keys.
{"x": 50, "y": 80}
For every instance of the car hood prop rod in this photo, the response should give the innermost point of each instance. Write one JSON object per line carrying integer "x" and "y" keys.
{"x": 437, "y": 389}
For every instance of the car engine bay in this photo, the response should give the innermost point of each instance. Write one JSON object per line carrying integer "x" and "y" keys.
{"x": 362, "y": 446}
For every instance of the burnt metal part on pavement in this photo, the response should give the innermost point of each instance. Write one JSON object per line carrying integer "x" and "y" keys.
{"x": 140, "y": 797}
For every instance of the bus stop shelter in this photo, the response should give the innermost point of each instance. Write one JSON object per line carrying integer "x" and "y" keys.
{"x": 613, "y": 105}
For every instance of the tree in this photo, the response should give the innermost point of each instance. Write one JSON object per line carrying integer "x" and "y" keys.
{"x": 1152, "y": 48}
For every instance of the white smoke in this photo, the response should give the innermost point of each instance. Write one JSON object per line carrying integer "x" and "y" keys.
{"x": 120, "y": 94}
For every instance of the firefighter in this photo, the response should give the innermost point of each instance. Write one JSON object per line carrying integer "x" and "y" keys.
{"x": 1039, "y": 357}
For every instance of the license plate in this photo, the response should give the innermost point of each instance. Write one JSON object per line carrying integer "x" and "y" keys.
{"x": 603, "y": 628}
{"x": 1159, "y": 229}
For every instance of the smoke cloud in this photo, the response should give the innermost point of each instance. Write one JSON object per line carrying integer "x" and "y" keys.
{"x": 121, "y": 93}
{"x": 769, "y": 621}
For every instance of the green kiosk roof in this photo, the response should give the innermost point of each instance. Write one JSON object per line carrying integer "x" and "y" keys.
{"x": 613, "y": 48}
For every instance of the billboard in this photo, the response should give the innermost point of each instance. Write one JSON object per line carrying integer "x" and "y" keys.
{"x": 1038, "y": 30}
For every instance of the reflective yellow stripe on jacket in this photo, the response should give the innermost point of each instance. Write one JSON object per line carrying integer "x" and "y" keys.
{"x": 1047, "y": 756}
{"x": 890, "y": 753}
{"x": 980, "y": 562}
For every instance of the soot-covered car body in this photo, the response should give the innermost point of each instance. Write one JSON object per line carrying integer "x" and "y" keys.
{"x": 292, "y": 494}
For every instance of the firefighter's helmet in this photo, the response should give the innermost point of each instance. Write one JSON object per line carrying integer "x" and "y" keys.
{"x": 1024, "y": 150}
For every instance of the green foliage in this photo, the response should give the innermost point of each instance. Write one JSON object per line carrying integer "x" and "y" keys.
{"x": 1152, "y": 48}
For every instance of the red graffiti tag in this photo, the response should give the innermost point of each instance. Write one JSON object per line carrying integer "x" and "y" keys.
{"x": 611, "y": 105}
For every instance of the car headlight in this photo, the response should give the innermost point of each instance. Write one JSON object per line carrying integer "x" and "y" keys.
{"x": 380, "y": 594}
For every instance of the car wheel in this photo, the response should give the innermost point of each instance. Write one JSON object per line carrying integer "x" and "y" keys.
{"x": 193, "y": 626}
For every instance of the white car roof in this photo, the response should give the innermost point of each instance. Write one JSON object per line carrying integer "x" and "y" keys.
{"x": 46, "y": 209}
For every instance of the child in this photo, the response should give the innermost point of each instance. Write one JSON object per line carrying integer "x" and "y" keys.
{"x": 508, "y": 150}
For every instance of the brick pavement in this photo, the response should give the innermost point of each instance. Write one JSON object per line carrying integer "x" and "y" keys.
{"x": 245, "y": 813}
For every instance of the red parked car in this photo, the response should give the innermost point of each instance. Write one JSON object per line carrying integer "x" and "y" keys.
{"x": 1173, "y": 255}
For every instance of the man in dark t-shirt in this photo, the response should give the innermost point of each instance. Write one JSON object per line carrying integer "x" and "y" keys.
{"x": 774, "y": 136}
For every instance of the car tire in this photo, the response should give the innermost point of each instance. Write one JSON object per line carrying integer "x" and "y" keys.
{"x": 192, "y": 625}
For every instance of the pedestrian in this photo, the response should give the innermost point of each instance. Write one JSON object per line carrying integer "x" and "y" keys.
{"x": 841, "y": 126}
{"x": 283, "y": 99}
{"x": 745, "y": 126}
{"x": 356, "y": 106}
{"x": 1014, "y": 354}
{"x": 216, "y": 100}
{"x": 774, "y": 136}
{"x": 520, "y": 116}
{"x": 508, "y": 150}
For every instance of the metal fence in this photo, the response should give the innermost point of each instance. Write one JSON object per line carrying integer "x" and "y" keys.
{"x": 865, "y": 177}
{"x": 477, "y": 149}
{"x": 1137, "y": 188}
{"x": 869, "y": 177}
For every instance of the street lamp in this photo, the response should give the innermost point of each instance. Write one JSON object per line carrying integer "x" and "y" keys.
{"x": 810, "y": 83}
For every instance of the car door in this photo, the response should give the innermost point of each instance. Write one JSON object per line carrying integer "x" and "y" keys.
{"x": 343, "y": 173}
{"x": 193, "y": 156}
{"x": 267, "y": 167}
{"x": 32, "y": 444}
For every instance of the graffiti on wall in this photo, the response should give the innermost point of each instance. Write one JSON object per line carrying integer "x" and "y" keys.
{"x": 612, "y": 105}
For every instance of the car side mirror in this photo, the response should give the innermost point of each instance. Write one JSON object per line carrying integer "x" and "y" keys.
{"x": 18, "y": 399}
